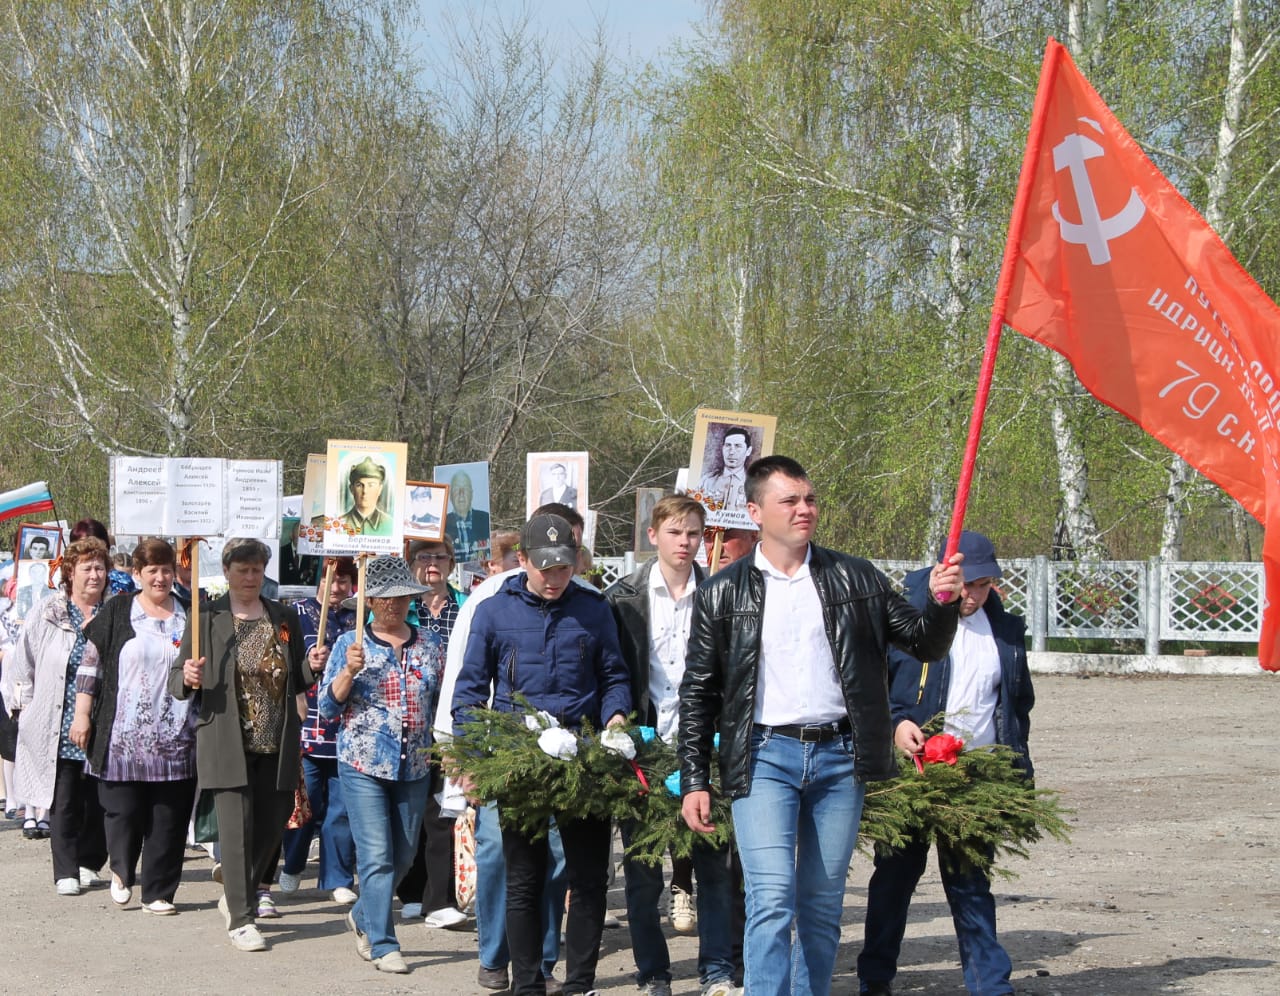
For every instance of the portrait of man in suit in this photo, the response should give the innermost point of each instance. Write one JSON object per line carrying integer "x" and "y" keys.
{"x": 466, "y": 525}
{"x": 560, "y": 490}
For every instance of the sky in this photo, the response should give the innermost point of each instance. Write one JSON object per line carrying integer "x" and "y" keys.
{"x": 644, "y": 27}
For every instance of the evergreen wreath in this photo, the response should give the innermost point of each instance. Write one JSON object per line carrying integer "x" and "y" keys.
{"x": 977, "y": 803}
{"x": 534, "y": 770}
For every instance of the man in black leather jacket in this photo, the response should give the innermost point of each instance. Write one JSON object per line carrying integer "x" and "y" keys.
{"x": 787, "y": 658}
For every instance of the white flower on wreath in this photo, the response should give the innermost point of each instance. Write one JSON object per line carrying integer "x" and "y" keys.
{"x": 618, "y": 742}
{"x": 541, "y": 720}
{"x": 558, "y": 743}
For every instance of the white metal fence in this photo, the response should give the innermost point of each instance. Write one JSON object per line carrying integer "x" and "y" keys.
{"x": 1111, "y": 600}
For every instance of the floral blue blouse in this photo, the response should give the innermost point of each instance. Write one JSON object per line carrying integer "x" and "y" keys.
{"x": 385, "y": 724}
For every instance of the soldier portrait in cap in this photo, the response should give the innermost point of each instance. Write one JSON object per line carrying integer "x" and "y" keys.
{"x": 364, "y": 494}
{"x": 368, "y": 513}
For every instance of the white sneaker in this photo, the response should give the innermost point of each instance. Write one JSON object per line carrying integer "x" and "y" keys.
{"x": 720, "y": 987}
{"x": 68, "y": 886}
{"x": 364, "y": 947}
{"x": 247, "y": 938}
{"x": 445, "y": 918}
{"x": 90, "y": 878}
{"x": 411, "y": 911}
{"x": 289, "y": 883}
{"x": 120, "y": 893}
{"x": 160, "y": 907}
{"x": 344, "y": 896}
{"x": 216, "y": 872}
{"x": 656, "y": 987}
{"x": 392, "y": 961}
{"x": 224, "y": 910}
{"x": 684, "y": 919}
{"x": 266, "y": 909}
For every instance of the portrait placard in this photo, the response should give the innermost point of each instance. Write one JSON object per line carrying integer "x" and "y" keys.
{"x": 646, "y": 498}
{"x": 364, "y": 486}
{"x": 425, "y": 507}
{"x": 558, "y": 477}
{"x": 36, "y": 546}
{"x": 467, "y": 521}
{"x": 725, "y": 444}
{"x": 311, "y": 530}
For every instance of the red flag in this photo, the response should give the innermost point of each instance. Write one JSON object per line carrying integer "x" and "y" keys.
{"x": 1111, "y": 267}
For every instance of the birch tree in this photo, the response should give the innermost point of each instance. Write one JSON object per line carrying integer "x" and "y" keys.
{"x": 186, "y": 141}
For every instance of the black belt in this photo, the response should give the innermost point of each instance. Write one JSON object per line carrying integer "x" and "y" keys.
{"x": 812, "y": 733}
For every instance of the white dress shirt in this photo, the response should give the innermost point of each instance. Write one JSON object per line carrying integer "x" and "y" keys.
{"x": 974, "y": 688}
{"x": 797, "y": 682}
{"x": 668, "y": 639}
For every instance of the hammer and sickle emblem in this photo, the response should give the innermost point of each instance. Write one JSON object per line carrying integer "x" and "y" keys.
{"x": 1094, "y": 231}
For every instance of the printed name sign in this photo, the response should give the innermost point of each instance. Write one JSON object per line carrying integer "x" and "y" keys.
{"x": 195, "y": 496}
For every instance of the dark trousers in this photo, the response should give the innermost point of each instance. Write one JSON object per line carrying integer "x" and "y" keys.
{"x": 430, "y": 879}
{"x": 148, "y": 820}
{"x": 983, "y": 960}
{"x": 586, "y": 857}
{"x": 251, "y": 821}
{"x": 77, "y": 838}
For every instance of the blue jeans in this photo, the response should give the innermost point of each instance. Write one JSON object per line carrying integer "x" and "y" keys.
{"x": 385, "y": 819}
{"x": 645, "y": 883}
{"x": 329, "y": 819}
{"x": 491, "y": 894}
{"x": 796, "y": 831}
{"x": 973, "y": 911}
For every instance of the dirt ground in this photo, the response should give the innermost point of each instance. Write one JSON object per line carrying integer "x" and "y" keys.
{"x": 1171, "y": 882}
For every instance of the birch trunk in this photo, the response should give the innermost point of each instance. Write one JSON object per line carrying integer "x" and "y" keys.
{"x": 1182, "y": 478}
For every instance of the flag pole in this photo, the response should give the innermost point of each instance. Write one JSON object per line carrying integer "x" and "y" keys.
{"x": 1030, "y": 158}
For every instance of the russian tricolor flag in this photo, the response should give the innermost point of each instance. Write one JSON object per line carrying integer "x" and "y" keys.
{"x": 26, "y": 501}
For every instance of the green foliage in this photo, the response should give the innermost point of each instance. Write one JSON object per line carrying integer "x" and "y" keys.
{"x": 499, "y": 752}
{"x": 982, "y": 809}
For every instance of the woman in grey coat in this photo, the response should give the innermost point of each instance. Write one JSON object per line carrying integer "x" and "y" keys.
{"x": 250, "y": 670}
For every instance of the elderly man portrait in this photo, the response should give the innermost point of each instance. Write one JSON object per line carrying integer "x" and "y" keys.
{"x": 468, "y": 526}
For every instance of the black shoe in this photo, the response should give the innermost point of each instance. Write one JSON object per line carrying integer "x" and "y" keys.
{"x": 877, "y": 989}
{"x": 493, "y": 978}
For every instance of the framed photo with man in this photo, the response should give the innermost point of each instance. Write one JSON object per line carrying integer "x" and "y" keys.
{"x": 425, "y": 508}
{"x": 36, "y": 547}
{"x": 646, "y": 498}
{"x": 467, "y": 521}
{"x": 725, "y": 444}
{"x": 364, "y": 489}
{"x": 558, "y": 477}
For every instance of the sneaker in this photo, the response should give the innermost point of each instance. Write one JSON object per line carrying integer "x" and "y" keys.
{"x": 216, "y": 872}
{"x": 720, "y": 987}
{"x": 344, "y": 896}
{"x": 247, "y": 938}
{"x": 68, "y": 886}
{"x": 289, "y": 883}
{"x": 445, "y": 918}
{"x": 656, "y": 987}
{"x": 611, "y": 922}
{"x": 493, "y": 978}
{"x": 413, "y": 911}
{"x": 363, "y": 947}
{"x": 683, "y": 918}
{"x": 160, "y": 907}
{"x": 392, "y": 962}
{"x": 266, "y": 906}
{"x": 90, "y": 878}
{"x": 120, "y": 893}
